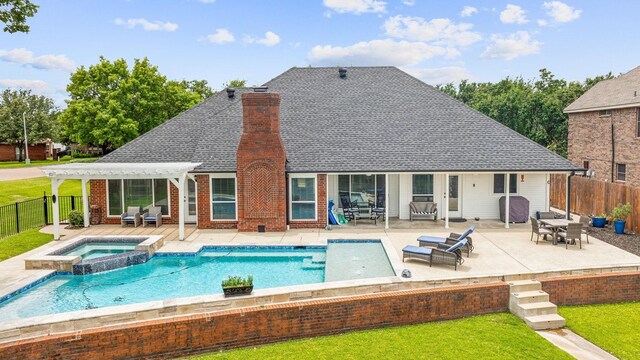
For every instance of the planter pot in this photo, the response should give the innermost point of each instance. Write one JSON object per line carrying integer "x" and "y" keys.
{"x": 619, "y": 226}
{"x": 237, "y": 290}
{"x": 599, "y": 222}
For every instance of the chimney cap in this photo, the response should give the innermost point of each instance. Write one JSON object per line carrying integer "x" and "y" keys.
{"x": 343, "y": 72}
{"x": 260, "y": 88}
{"x": 231, "y": 92}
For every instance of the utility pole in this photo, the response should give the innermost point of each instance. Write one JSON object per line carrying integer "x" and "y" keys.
{"x": 26, "y": 143}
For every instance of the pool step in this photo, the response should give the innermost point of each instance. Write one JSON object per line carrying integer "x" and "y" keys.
{"x": 319, "y": 258}
{"x": 309, "y": 264}
{"x": 528, "y": 302}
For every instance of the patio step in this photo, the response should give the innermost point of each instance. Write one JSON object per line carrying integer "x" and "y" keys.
{"x": 309, "y": 264}
{"x": 528, "y": 302}
{"x": 545, "y": 322}
{"x": 534, "y": 309}
{"x": 524, "y": 285}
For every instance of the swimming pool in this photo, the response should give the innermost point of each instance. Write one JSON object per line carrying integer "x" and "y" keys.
{"x": 92, "y": 250}
{"x": 167, "y": 276}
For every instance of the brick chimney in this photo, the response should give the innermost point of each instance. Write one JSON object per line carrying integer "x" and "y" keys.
{"x": 261, "y": 165}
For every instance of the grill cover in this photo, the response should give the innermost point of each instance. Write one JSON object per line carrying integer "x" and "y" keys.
{"x": 518, "y": 209}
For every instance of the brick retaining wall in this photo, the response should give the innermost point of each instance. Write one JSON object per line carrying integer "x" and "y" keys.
{"x": 593, "y": 289}
{"x": 229, "y": 329}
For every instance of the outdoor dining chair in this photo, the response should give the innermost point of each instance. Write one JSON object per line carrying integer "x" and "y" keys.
{"x": 536, "y": 229}
{"x": 573, "y": 233}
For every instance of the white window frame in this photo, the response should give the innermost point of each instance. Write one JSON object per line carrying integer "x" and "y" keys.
{"x": 618, "y": 172}
{"x": 604, "y": 113}
{"x": 375, "y": 186}
{"x": 153, "y": 196}
{"x": 433, "y": 180}
{"x": 508, "y": 185}
{"x": 222, "y": 176}
{"x": 315, "y": 191}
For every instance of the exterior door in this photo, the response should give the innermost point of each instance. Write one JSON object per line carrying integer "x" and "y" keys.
{"x": 455, "y": 196}
{"x": 191, "y": 211}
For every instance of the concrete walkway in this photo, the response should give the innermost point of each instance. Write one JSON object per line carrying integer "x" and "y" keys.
{"x": 20, "y": 173}
{"x": 575, "y": 345}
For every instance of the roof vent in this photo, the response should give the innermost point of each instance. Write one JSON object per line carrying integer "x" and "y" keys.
{"x": 260, "y": 89}
{"x": 231, "y": 92}
{"x": 343, "y": 72}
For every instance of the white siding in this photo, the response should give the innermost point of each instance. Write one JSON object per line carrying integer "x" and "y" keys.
{"x": 393, "y": 195}
{"x": 534, "y": 188}
{"x": 404, "y": 181}
{"x": 332, "y": 190}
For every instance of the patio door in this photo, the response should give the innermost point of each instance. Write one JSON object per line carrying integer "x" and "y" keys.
{"x": 455, "y": 196}
{"x": 190, "y": 207}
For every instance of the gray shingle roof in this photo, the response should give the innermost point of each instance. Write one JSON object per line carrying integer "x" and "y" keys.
{"x": 623, "y": 91}
{"x": 378, "y": 119}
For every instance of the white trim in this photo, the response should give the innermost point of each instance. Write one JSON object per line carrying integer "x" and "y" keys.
{"x": 433, "y": 186}
{"x": 222, "y": 176}
{"x": 315, "y": 193}
{"x": 492, "y": 193}
{"x": 598, "y": 108}
{"x": 119, "y": 170}
{"x": 153, "y": 196}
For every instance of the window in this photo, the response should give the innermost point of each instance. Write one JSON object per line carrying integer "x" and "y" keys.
{"x": 142, "y": 193}
{"x": 366, "y": 190}
{"x": 585, "y": 164}
{"x": 223, "y": 198}
{"x": 423, "y": 188}
{"x": 604, "y": 113}
{"x": 621, "y": 171}
{"x": 303, "y": 198}
{"x": 498, "y": 183}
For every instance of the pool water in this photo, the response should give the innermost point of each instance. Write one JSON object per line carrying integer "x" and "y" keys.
{"x": 174, "y": 276}
{"x": 94, "y": 250}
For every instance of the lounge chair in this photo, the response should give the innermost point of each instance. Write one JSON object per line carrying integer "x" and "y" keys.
{"x": 421, "y": 209}
{"x": 453, "y": 238}
{"x": 586, "y": 222}
{"x": 538, "y": 230}
{"x": 573, "y": 233}
{"x": 152, "y": 215}
{"x": 443, "y": 254}
{"x": 351, "y": 210}
{"x": 131, "y": 216}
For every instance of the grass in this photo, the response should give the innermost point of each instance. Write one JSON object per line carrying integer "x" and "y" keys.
{"x": 23, "y": 242}
{"x": 18, "y": 190}
{"x": 63, "y": 160}
{"x": 613, "y": 327}
{"x": 495, "y": 336}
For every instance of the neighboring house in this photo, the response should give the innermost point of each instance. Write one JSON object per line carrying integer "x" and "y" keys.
{"x": 604, "y": 129}
{"x": 87, "y": 149}
{"x": 10, "y": 152}
{"x": 274, "y": 156}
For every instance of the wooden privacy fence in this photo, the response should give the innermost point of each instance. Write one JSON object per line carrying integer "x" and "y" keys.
{"x": 595, "y": 197}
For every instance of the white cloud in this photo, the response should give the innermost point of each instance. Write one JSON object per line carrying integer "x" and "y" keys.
{"x": 513, "y": 14}
{"x": 25, "y": 57}
{"x": 440, "y": 31}
{"x": 38, "y": 86}
{"x": 147, "y": 25}
{"x": 269, "y": 39}
{"x": 409, "y": 2}
{"x": 561, "y": 12}
{"x": 356, "y": 6}
{"x": 207, "y": 1}
{"x": 468, "y": 11}
{"x": 443, "y": 75}
{"x": 542, "y": 22}
{"x": 511, "y": 46}
{"x": 379, "y": 52}
{"x": 221, "y": 36}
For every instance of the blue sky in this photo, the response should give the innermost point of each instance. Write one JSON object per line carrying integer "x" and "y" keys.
{"x": 220, "y": 40}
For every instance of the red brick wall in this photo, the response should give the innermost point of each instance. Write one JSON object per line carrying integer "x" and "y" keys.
{"x": 593, "y": 289}
{"x": 261, "y": 165}
{"x": 203, "y": 182}
{"x": 36, "y": 152}
{"x": 186, "y": 335}
{"x": 321, "y": 210}
{"x": 98, "y": 196}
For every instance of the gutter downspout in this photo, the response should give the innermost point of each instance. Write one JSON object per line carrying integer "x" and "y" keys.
{"x": 568, "y": 207}
{"x": 613, "y": 153}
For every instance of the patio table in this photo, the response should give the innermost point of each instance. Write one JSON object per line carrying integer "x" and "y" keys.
{"x": 555, "y": 225}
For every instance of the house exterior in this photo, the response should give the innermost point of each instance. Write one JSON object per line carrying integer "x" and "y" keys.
{"x": 271, "y": 158}
{"x": 604, "y": 129}
{"x": 10, "y": 152}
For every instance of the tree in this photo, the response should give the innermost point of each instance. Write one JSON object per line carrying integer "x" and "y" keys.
{"x": 40, "y": 113}
{"x": 237, "y": 83}
{"x": 111, "y": 104}
{"x": 14, "y": 14}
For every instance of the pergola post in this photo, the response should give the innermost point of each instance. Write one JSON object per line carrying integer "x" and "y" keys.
{"x": 386, "y": 201}
{"x": 85, "y": 202}
{"x": 507, "y": 188}
{"x": 55, "y": 184}
{"x": 446, "y": 200}
{"x": 182, "y": 183}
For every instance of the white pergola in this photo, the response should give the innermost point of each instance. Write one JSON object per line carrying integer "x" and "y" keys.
{"x": 174, "y": 172}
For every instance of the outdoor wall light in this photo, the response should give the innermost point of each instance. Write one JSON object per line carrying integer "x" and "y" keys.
{"x": 522, "y": 178}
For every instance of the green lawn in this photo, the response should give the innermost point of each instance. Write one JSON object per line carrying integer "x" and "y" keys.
{"x": 613, "y": 327}
{"x": 19, "y": 190}
{"x": 23, "y": 242}
{"x": 495, "y": 336}
{"x": 64, "y": 160}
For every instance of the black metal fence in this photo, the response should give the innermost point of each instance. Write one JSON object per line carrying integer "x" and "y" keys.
{"x": 34, "y": 213}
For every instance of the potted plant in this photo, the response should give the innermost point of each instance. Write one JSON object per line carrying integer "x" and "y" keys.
{"x": 237, "y": 285}
{"x": 619, "y": 215}
{"x": 599, "y": 221}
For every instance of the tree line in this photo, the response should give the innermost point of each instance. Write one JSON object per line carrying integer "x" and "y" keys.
{"x": 534, "y": 108}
